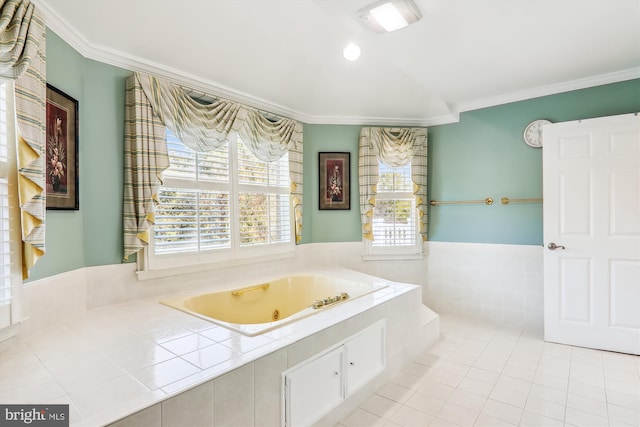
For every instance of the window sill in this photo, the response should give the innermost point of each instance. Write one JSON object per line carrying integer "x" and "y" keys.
{"x": 196, "y": 268}
{"x": 392, "y": 257}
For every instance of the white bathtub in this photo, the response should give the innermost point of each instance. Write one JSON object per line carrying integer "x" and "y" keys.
{"x": 257, "y": 308}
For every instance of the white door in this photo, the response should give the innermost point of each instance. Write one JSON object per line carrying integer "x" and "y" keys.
{"x": 592, "y": 216}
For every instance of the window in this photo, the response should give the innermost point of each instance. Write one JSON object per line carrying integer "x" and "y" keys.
{"x": 222, "y": 205}
{"x": 394, "y": 225}
{"x": 9, "y": 229}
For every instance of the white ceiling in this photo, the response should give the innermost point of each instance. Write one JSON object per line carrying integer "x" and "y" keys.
{"x": 286, "y": 55}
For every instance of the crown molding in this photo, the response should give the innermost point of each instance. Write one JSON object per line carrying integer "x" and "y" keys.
{"x": 567, "y": 86}
{"x": 123, "y": 60}
{"x": 384, "y": 121}
{"x": 129, "y": 62}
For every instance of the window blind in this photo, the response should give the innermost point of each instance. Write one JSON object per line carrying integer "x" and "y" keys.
{"x": 394, "y": 218}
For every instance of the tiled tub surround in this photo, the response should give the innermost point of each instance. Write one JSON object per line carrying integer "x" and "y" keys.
{"x": 485, "y": 281}
{"x": 500, "y": 283}
{"x": 114, "y": 361}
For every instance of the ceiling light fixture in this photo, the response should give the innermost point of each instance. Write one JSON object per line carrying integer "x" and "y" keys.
{"x": 351, "y": 52}
{"x": 390, "y": 15}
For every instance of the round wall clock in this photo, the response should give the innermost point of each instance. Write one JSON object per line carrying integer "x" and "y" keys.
{"x": 533, "y": 133}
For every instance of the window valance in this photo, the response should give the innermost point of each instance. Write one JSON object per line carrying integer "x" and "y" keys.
{"x": 152, "y": 104}
{"x": 23, "y": 59}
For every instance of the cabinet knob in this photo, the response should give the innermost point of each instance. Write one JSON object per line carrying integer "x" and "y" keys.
{"x": 336, "y": 373}
{"x": 352, "y": 363}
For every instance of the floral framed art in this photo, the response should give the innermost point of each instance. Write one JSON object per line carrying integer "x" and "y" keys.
{"x": 61, "y": 150}
{"x": 335, "y": 188}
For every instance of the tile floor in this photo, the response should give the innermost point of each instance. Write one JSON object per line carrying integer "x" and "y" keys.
{"x": 480, "y": 374}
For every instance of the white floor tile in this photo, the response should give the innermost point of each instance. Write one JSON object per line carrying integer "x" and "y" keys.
{"x": 410, "y": 417}
{"x": 626, "y": 400}
{"x": 483, "y": 375}
{"x": 475, "y": 386}
{"x": 468, "y": 400}
{"x": 532, "y": 419}
{"x": 458, "y": 414}
{"x": 502, "y": 411}
{"x": 407, "y": 380}
{"x": 425, "y": 403}
{"x": 436, "y": 389}
{"x": 548, "y": 393}
{"x": 625, "y": 415}
{"x": 577, "y": 417}
{"x": 395, "y": 392}
{"x": 439, "y": 422}
{"x": 362, "y": 418}
{"x": 485, "y": 420}
{"x": 592, "y": 406}
{"x": 590, "y": 391}
{"x": 509, "y": 396}
{"x": 380, "y": 406}
{"x": 546, "y": 408}
{"x": 479, "y": 374}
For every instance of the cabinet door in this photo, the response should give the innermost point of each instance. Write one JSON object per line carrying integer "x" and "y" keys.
{"x": 314, "y": 388}
{"x": 365, "y": 356}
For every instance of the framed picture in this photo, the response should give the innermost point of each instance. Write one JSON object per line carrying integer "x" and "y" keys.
{"x": 335, "y": 188}
{"x": 61, "y": 149}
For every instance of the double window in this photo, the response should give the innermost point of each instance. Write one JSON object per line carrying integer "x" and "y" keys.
{"x": 222, "y": 205}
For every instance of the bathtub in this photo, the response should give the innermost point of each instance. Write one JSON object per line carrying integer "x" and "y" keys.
{"x": 257, "y": 308}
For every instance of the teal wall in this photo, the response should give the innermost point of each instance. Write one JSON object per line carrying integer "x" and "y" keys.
{"x": 92, "y": 235}
{"x": 329, "y": 225}
{"x": 483, "y": 155}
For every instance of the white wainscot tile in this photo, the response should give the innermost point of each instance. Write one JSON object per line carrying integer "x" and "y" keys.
{"x": 191, "y": 408}
{"x": 268, "y": 380}
{"x": 234, "y": 397}
{"x": 150, "y": 417}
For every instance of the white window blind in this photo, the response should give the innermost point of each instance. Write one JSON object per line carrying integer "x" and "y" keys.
{"x": 394, "y": 222}
{"x": 220, "y": 205}
{"x": 263, "y": 199}
{"x": 9, "y": 230}
{"x": 5, "y": 226}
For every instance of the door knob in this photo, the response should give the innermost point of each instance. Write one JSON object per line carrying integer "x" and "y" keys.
{"x": 553, "y": 246}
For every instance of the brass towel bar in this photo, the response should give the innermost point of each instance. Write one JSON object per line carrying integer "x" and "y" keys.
{"x": 239, "y": 292}
{"x": 487, "y": 201}
{"x": 506, "y": 200}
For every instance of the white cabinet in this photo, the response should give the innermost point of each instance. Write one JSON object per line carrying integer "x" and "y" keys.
{"x": 319, "y": 384}
{"x": 364, "y": 355}
{"x": 314, "y": 388}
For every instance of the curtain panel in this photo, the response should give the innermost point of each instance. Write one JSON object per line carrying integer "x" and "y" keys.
{"x": 153, "y": 103}
{"x": 394, "y": 147}
{"x": 23, "y": 59}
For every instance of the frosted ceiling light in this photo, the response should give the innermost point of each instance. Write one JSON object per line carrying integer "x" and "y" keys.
{"x": 351, "y": 52}
{"x": 390, "y": 15}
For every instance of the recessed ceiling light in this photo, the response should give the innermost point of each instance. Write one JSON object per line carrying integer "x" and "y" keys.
{"x": 390, "y": 15}
{"x": 351, "y": 52}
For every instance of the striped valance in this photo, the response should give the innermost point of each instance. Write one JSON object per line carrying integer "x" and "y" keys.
{"x": 394, "y": 147}
{"x": 153, "y": 103}
{"x": 23, "y": 59}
